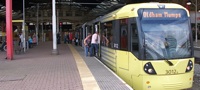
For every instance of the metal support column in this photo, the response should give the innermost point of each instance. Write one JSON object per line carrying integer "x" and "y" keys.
{"x": 54, "y": 51}
{"x": 9, "y": 33}
{"x": 196, "y": 28}
{"x": 23, "y": 27}
{"x": 37, "y": 26}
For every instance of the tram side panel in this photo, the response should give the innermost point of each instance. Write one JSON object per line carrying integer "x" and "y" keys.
{"x": 108, "y": 57}
{"x": 149, "y": 74}
{"x": 131, "y": 70}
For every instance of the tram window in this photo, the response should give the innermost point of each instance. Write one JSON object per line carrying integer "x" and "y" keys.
{"x": 124, "y": 38}
{"x": 106, "y": 35}
{"x": 134, "y": 40}
{"x": 123, "y": 34}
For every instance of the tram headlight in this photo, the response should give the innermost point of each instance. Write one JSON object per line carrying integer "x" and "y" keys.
{"x": 189, "y": 66}
{"x": 148, "y": 68}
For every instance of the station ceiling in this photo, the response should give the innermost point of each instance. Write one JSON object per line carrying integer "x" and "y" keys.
{"x": 91, "y": 5}
{"x": 18, "y": 4}
{"x": 95, "y": 7}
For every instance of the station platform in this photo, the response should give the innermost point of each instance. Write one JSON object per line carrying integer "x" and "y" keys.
{"x": 38, "y": 69}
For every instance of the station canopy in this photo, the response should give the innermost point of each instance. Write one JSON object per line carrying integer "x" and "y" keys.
{"x": 93, "y": 7}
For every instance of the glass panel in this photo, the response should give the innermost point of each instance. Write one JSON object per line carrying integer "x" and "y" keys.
{"x": 106, "y": 36}
{"x": 78, "y": 13}
{"x": 134, "y": 40}
{"x": 68, "y": 13}
{"x": 60, "y": 13}
{"x": 123, "y": 34}
{"x": 166, "y": 38}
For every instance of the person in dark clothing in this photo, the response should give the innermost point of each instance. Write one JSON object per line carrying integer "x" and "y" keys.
{"x": 65, "y": 38}
{"x": 3, "y": 45}
{"x": 58, "y": 38}
{"x": 76, "y": 41}
{"x": 87, "y": 43}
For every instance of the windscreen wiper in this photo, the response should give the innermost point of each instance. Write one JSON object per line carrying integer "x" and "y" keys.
{"x": 169, "y": 62}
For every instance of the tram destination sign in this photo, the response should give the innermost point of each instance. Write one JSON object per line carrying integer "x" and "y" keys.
{"x": 162, "y": 14}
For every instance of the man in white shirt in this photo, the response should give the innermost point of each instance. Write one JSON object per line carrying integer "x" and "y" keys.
{"x": 22, "y": 40}
{"x": 95, "y": 44}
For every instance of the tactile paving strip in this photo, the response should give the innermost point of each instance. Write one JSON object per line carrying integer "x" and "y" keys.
{"x": 105, "y": 79}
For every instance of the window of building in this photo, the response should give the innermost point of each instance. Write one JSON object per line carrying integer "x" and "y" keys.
{"x": 39, "y": 15}
{"x": 50, "y": 14}
{"x": 60, "y": 14}
{"x": 78, "y": 13}
{"x": 68, "y": 13}
{"x": 45, "y": 14}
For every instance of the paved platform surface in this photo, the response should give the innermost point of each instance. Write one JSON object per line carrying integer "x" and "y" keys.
{"x": 196, "y": 85}
{"x": 38, "y": 69}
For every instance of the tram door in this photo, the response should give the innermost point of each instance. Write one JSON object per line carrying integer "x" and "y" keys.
{"x": 134, "y": 40}
{"x": 123, "y": 54}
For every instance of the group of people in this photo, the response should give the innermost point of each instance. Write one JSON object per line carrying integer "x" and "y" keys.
{"x": 32, "y": 40}
{"x": 70, "y": 38}
{"x": 3, "y": 44}
{"x": 91, "y": 43}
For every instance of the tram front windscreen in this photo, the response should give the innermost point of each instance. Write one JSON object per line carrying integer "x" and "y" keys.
{"x": 166, "y": 33}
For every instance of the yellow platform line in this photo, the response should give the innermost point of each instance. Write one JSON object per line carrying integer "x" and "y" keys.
{"x": 88, "y": 81}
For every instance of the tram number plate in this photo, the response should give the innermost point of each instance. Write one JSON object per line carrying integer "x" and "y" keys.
{"x": 174, "y": 71}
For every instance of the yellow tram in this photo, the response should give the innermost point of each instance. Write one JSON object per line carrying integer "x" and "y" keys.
{"x": 150, "y": 45}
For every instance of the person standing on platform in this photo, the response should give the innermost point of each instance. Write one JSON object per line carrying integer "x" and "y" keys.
{"x": 65, "y": 38}
{"x": 34, "y": 38}
{"x": 76, "y": 38}
{"x": 58, "y": 38}
{"x": 87, "y": 43}
{"x": 30, "y": 42}
{"x": 70, "y": 37}
{"x": 21, "y": 40}
{"x": 95, "y": 44}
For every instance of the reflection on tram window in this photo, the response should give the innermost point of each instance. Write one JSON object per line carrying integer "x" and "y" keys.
{"x": 134, "y": 40}
{"x": 106, "y": 35}
{"x": 174, "y": 37}
{"x": 123, "y": 35}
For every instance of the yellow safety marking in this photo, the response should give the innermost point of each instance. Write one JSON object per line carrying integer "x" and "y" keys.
{"x": 2, "y": 33}
{"x": 88, "y": 81}
{"x": 17, "y": 20}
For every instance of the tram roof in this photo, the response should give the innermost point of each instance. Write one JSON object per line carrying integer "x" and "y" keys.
{"x": 130, "y": 10}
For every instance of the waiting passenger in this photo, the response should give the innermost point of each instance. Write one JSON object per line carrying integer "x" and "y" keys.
{"x": 87, "y": 43}
{"x": 34, "y": 38}
{"x": 95, "y": 44}
{"x": 65, "y": 38}
{"x": 21, "y": 36}
{"x": 70, "y": 37}
{"x": 30, "y": 42}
